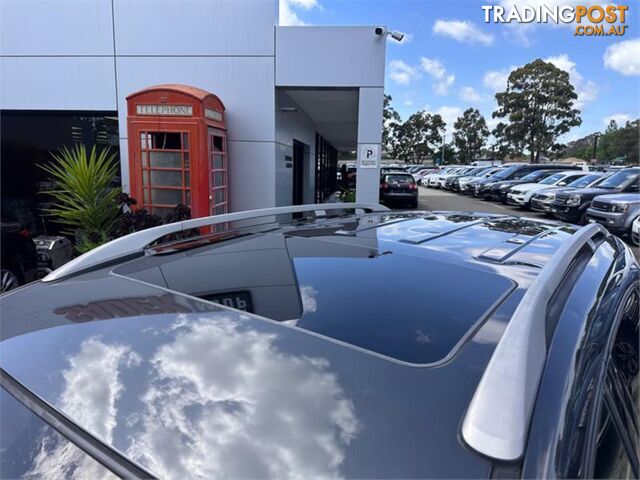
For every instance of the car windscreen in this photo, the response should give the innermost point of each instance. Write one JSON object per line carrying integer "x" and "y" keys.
{"x": 619, "y": 179}
{"x": 584, "y": 181}
{"x": 405, "y": 178}
{"x": 553, "y": 179}
{"x": 535, "y": 176}
{"x": 507, "y": 172}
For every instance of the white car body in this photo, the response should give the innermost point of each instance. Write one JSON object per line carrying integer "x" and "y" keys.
{"x": 635, "y": 231}
{"x": 521, "y": 194}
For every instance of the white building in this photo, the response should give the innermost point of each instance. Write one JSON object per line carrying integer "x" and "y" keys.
{"x": 280, "y": 85}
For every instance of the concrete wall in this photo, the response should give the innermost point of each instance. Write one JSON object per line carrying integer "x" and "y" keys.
{"x": 289, "y": 126}
{"x": 329, "y": 57}
{"x": 91, "y": 54}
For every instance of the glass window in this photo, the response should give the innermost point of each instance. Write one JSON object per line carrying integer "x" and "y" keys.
{"x": 166, "y": 178}
{"x": 611, "y": 460}
{"x": 584, "y": 181}
{"x": 166, "y": 159}
{"x": 399, "y": 178}
{"x": 552, "y": 179}
{"x": 219, "y": 195}
{"x": 218, "y": 179}
{"x": 32, "y": 449}
{"x": 166, "y": 197}
{"x": 617, "y": 180}
{"x": 28, "y": 138}
{"x": 218, "y": 161}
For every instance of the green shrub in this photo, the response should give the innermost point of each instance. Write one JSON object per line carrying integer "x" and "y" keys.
{"x": 84, "y": 196}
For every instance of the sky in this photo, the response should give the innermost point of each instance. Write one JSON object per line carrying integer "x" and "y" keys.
{"x": 451, "y": 59}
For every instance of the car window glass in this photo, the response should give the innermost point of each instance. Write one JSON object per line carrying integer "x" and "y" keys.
{"x": 32, "y": 449}
{"x": 611, "y": 460}
{"x": 615, "y": 454}
{"x": 583, "y": 181}
{"x": 617, "y": 180}
{"x": 399, "y": 178}
{"x": 552, "y": 179}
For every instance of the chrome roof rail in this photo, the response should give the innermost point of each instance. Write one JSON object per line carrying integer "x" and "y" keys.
{"x": 138, "y": 241}
{"x": 497, "y": 421}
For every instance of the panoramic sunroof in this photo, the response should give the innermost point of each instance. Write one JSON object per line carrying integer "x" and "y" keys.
{"x": 410, "y": 308}
{"x": 403, "y": 307}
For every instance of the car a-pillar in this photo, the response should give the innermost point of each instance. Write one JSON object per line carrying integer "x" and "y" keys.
{"x": 177, "y": 150}
{"x": 370, "y": 107}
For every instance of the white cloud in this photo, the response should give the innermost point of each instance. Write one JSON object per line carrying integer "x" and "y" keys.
{"x": 462, "y": 31}
{"x": 470, "y": 94}
{"x": 624, "y": 57}
{"x": 402, "y": 73}
{"x": 496, "y": 80}
{"x": 448, "y": 113}
{"x": 408, "y": 102}
{"x": 287, "y": 11}
{"x": 434, "y": 68}
{"x": 586, "y": 90}
{"x": 91, "y": 389}
{"x": 270, "y": 414}
{"x": 620, "y": 118}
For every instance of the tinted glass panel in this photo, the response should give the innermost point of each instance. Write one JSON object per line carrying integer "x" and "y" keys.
{"x": 399, "y": 178}
{"x": 32, "y": 449}
{"x": 611, "y": 457}
{"x": 617, "y": 180}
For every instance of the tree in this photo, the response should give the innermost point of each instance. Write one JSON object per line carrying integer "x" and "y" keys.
{"x": 502, "y": 147}
{"x": 538, "y": 103}
{"x": 470, "y": 135}
{"x": 390, "y": 123}
{"x": 419, "y": 137}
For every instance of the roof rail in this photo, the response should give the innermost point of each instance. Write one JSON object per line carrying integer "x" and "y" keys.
{"x": 138, "y": 241}
{"x": 497, "y": 421}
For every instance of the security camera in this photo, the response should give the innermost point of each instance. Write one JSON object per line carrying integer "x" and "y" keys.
{"x": 383, "y": 32}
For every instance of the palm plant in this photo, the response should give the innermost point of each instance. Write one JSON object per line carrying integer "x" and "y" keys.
{"x": 84, "y": 199}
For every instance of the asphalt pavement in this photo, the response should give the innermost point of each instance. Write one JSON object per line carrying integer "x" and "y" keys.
{"x": 436, "y": 199}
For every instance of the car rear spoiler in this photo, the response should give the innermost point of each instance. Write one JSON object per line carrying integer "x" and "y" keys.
{"x": 497, "y": 421}
{"x": 136, "y": 242}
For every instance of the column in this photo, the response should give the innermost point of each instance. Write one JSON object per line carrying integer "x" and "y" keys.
{"x": 370, "y": 105}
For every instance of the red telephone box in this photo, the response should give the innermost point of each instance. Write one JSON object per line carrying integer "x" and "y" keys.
{"x": 177, "y": 150}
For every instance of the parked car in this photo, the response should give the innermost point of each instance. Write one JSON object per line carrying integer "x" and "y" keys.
{"x": 420, "y": 174}
{"x": 435, "y": 178}
{"x": 468, "y": 184}
{"x": 19, "y": 259}
{"x": 635, "y": 231}
{"x": 299, "y": 349}
{"x": 572, "y": 206}
{"x": 452, "y": 181}
{"x": 442, "y": 178}
{"x": 399, "y": 188}
{"x": 616, "y": 212}
{"x": 541, "y": 201}
{"x": 497, "y": 188}
{"x": 521, "y": 195}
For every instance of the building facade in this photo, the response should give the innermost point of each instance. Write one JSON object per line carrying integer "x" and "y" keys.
{"x": 293, "y": 96}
